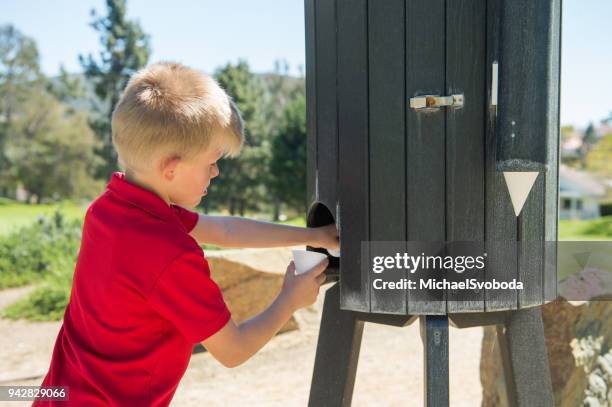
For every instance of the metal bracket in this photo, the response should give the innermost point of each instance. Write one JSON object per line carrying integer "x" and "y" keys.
{"x": 435, "y": 101}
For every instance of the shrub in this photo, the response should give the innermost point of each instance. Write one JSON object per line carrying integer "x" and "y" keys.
{"x": 44, "y": 252}
{"x": 600, "y": 227}
{"x": 44, "y": 304}
{"x": 50, "y": 245}
{"x": 7, "y": 201}
{"x": 605, "y": 208}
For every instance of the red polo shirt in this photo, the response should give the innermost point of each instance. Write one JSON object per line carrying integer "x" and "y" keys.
{"x": 141, "y": 298}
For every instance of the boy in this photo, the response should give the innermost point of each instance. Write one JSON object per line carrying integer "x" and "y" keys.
{"x": 142, "y": 295}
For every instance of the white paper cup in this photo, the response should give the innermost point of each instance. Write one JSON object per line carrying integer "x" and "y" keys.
{"x": 305, "y": 260}
{"x": 335, "y": 253}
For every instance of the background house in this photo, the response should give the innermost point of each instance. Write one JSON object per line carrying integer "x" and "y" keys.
{"x": 579, "y": 194}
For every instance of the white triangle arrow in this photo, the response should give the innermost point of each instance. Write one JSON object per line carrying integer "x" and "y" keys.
{"x": 519, "y": 185}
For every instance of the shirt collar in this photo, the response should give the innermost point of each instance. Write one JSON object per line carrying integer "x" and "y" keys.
{"x": 142, "y": 198}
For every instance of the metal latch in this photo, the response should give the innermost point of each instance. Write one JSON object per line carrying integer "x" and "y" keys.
{"x": 435, "y": 101}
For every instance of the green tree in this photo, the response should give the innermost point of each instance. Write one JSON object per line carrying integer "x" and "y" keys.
{"x": 288, "y": 159}
{"x": 19, "y": 72}
{"x": 65, "y": 87}
{"x": 590, "y": 136}
{"x": 566, "y": 132}
{"x": 51, "y": 149}
{"x": 588, "y": 141}
{"x": 280, "y": 89}
{"x": 125, "y": 49}
{"x": 599, "y": 159}
{"x": 241, "y": 184}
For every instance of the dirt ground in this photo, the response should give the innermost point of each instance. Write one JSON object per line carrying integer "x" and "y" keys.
{"x": 389, "y": 371}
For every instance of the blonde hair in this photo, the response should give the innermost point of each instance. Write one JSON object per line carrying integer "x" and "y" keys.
{"x": 169, "y": 108}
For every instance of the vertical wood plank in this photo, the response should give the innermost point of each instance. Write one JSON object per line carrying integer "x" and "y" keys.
{"x": 523, "y": 132}
{"x": 434, "y": 335}
{"x": 551, "y": 194}
{"x": 425, "y": 144}
{"x": 387, "y": 138}
{"x": 333, "y": 377}
{"x": 539, "y": 220}
{"x": 500, "y": 221}
{"x": 465, "y": 139}
{"x": 326, "y": 103}
{"x": 523, "y": 92}
{"x": 311, "y": 102}
{"x": 353, "y": 151}
{"x": 531, "y": 246}
{"x": 525, "y": 360}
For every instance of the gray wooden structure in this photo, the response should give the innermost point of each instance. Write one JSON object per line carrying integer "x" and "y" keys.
{"x": 385, "y": 171}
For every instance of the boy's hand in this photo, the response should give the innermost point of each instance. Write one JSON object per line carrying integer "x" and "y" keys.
{"x": 302, "y": 290}
{"x": 325, "y": 237}
{"x": 232, "y": 345}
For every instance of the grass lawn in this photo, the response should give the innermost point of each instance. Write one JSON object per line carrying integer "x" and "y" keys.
{"x": 15, "y": 215}
{"x": 579, "y": 230}
{"x": 297, "y": 221}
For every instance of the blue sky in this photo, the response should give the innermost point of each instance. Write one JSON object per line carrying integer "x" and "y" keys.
{"x": 208, "y": 33}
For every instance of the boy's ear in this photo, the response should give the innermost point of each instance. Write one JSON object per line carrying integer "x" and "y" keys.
{"x": 168, "y": 167}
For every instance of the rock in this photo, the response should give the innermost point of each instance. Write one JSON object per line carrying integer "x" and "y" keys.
{"x": 591, "y": 402}
{"x": 585, "y": 351}
{"x": 597, "y": 386}
{"x": 588, "y": 284}
{"x": 579, "y": 347}
{"x": 605, "y": 364}
{"x": 250, "y": 279}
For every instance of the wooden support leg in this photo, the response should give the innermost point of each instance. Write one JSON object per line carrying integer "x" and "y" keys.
{"x": 337, "y": 354}
{"x": 525, "y": 360}
{"x": 434, "y": 334}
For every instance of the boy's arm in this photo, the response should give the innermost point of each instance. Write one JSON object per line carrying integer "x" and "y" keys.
{"x": 233, "y": 231}
{"x": 234, "y": 344}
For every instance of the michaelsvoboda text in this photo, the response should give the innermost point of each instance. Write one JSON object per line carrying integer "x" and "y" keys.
{"x": 457, "y": 264}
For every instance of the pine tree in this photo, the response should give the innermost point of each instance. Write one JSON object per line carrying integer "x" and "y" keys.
{"x": 588, "y": 141}
{"x": 66, "y": 87}
{"x": 125, "y": 49}
{"x": 241, "y": 183}
{"x": 590, "y": 137}
{"x": 288, "y": 161}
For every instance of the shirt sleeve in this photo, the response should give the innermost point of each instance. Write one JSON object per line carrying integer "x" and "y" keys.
{"x": 186, "y": 296}
{"x": 188, "y": 218}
